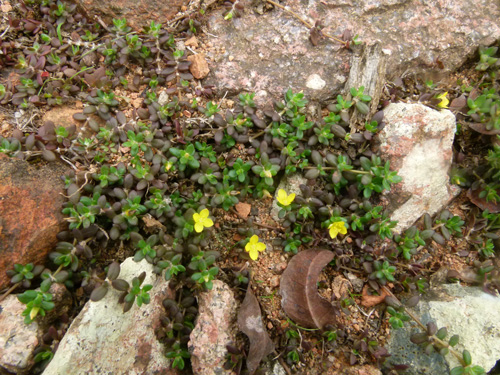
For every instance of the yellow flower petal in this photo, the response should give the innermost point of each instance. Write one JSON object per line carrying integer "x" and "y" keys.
{"x": 196, "y": 217}
{"x": 254, "y": 239}
{"x": 281, "y": 196}
{"x": 285, "y": 199}
{"x": 444, "y": 100}
{"x": 254, "y": 254}
{"x": 204, "y": 213}
{"x": 337, "y": 227}
{"x": 207, "y": 223}
{"x": 260, "y": 246}
{"x": 198, "y": 227}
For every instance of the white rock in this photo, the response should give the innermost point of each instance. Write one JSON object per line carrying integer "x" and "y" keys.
{"x": 464, "y": 311}
{"x": 418, "y": 142}
{"x": 315, "y": 82}
{"x": 104, "y": 340}
{"x": 473, "y": 315}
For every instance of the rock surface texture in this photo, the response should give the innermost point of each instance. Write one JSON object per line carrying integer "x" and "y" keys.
{"x": 465, "y": 311}
{"x": 30, "y": 212}
{"x": 215, "y": 328}
{"x": 271, "y": 51}
{"x": 18, "y": 340}
{"x": 104, "y": 340}
{"x": 417, "y": 141}
{"x": 138, "y": 13}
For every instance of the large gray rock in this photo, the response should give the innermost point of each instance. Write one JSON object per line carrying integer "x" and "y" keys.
{"x": 271, "y": 52}
{"x": 103, "y": 339}
{"x": 465, "y": 311}
{"x": 418, "y": 140}
{"x": 215, "y": 328}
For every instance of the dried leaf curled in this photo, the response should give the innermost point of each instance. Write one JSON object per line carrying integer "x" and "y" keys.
{"x": 299, "y": 291}
{"x": 250, "y": 323}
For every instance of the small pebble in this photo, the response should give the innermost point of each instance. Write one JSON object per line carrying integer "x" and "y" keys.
{"x": 231, "y": 58}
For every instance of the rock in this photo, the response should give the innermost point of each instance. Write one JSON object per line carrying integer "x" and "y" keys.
{"x": 418, "y": 140}
{"x": 215, "y": 328}
{"x": 18, "y": 340}
{"x": 243, "y": 209}
{"x": 277, "y": 369}
{"x": 273, "y": 52}
{"x": 30, "y": 212}
{"x": 103, "y": 339}
{"x": 465, "y": 311}
{"x": 137, "y": 13}
{"x": 199, "y": 67}
{"x": 291, "y": 185}
{"x": 191, "y": 42}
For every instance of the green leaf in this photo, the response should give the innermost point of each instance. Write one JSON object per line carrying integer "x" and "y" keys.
{"x": 467, "y": 357}
{"x": 454, "y": 340}
{"x": 457, "y": 371}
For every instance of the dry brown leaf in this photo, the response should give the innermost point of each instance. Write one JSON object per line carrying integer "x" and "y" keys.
{"x": 250, "y": 323}
{"x": 369, "y": 301}
{"x": 152, "y": 225}
{"x": 299, "y": 290}
{"x": 482, "y": 203}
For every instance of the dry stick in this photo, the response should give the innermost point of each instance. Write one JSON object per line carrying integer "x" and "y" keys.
{"x": 11, "y": 289}
{"x": 424, "y": 328}
{"x": 305, "y": 22}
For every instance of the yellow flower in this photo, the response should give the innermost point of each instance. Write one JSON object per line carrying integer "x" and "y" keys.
{"x": 444, "y": 100}
{"x": 254, "y": 246}
{"x": 336, "y": 228}
{"x": 201, "y": 220}
{"x": 284, "y": 198}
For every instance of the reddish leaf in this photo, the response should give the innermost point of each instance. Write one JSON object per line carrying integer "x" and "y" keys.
{"x": 481, "y": 128}
{"x": 94, "y": 78}
{"x": 250, "y": 323}
{"x": 491, "y": 206}
{"x": 458, "y": 104}
{"x": 299, "y": 291}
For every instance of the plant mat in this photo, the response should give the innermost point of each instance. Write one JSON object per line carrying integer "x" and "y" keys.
{"x": 361, "y": 313}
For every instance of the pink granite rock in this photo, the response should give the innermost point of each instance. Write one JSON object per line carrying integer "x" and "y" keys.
{"x": 30, "y": 212}
{"x": 418, "y": 140}
{"x": 271, "y": 51}
{"x": 215, "y": 328}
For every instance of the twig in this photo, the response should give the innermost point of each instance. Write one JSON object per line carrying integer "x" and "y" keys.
{"x": 67, "y": 161}
{"x": 5, "y": 31}
{"x": 81, "y": 187}
{"x": 101, "y": 22}
{"x": 11, "y": 289}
